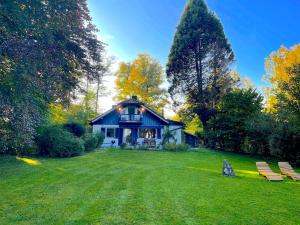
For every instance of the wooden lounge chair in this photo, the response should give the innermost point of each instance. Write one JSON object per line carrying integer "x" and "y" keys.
{"x": 264, "y": 170}
{"x": 288, "y": 170}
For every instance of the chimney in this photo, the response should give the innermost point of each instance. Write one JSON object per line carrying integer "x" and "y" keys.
{"x": 134, "y": 97}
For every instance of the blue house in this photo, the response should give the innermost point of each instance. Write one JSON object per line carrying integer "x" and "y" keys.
{"x": 133, "y": 123}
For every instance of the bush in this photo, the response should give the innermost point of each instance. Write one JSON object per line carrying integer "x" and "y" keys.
{"x": 285, "y": 142}
{"x": 123, "y": 145}
{"x": 93, "y": 141}
{"x": 57, "y": 142}
{"x": 176, "y": 147}
{"x": 100, "y": 137}
{"x": 75, "y": 128}
{"x": 258, "y": 131}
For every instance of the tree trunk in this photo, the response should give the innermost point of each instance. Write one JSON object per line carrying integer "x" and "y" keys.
{"x": 199, "y": 75}
{"x": 97, "y": 94}
{"x": 201, "y": 110}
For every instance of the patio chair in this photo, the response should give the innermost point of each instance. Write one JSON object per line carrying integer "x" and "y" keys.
{"x": 264, "y": 170}
{"x": 287, "y": 169}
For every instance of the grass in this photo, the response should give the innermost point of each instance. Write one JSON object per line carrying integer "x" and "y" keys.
{"x": 139, "y": 187}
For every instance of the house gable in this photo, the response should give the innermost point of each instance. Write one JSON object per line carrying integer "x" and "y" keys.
{"x": 111, "y": 117}
{"x": 149, "y": 117}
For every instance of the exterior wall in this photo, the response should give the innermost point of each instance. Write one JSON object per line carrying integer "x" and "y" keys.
{"x": 177, "y": 132}
{"x": 191, "y": 140}
{"x": 150, "y": 120}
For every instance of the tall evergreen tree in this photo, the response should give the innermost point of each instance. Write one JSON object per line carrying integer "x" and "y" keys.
{"x": 199, "y": 60}
{"x": 46, "y": 47}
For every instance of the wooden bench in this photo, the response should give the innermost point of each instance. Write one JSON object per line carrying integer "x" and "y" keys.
{"x": 287, "y": 169}
{"x": 264, "y": 170}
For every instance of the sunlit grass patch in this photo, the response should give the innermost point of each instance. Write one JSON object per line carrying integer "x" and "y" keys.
{"x": 29, "y": 161}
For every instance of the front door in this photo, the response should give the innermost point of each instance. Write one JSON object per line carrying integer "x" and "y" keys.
{"x": 127, "y": 136}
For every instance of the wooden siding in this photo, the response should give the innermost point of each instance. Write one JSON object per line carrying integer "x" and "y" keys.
{"x": 150, "y": 120}
{"x": 110, "y": 119}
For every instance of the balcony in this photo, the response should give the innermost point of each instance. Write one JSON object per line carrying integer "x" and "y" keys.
{"x": 130, "y": 118}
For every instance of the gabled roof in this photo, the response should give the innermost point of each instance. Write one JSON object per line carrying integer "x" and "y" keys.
{"x": 131, "y": 102}
{"x": 177, "y": 123}
{"x": 103, "y": 114}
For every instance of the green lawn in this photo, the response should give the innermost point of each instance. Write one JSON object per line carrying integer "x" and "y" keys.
{"x": 139, "y": 187}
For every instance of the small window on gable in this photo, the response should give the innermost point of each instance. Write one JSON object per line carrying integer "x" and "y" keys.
{"x": 110, "y": 132}
{"x": 131, "y": 109}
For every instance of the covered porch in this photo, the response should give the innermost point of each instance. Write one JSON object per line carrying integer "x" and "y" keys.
{"x": 150, "y": 136}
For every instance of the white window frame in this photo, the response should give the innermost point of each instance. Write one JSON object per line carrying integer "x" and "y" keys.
{"x": 114, "y": 134}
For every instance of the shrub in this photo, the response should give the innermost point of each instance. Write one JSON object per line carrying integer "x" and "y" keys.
{"x": 93, "y": 141}
{"x": 90, "y": 142}
{"x": 123, "y": 145}
{"x": 75, "y": 128}
{"x": 100, "y": 137}
{"x": 57, "y": 142}
{"x": 175, "y": 147}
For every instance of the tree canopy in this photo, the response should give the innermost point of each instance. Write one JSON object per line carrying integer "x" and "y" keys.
{"x": 46, "y": 47}
{"x": 279, "y": 71}
{"x": 143, "y": 78}
{"x": 199, "y": 59}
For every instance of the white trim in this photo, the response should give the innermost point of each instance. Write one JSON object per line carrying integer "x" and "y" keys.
{"x": 104, "y": 114}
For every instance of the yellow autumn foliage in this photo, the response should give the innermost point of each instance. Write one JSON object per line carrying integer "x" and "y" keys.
{"x": 143, "y": 78}
{"x": 276, "y": 66}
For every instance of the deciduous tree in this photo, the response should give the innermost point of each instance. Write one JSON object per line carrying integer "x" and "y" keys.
{"x": 45, "y": 48}
{"x": 279, "y": 66}
{"x": 143, "y": 78}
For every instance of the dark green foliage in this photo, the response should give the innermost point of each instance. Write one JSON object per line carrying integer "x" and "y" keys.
{"x": 259, "y": 129}
{"x": 199, "y": 61}
{"x": 46, "y": 47}
{"x": 123, "y": 145}
{"x": 100, "y": 138}
{"x": 175, "y": 147}
{"x": 227, "y": 130}
{"x": 285, "y": 142}
{"x": 241, "y": 126}
{"x": 55, "y": 141}
{"x": 75, "y": 128}
{"x": 289, "y": 98}
{"x": 90, "y": 142}
{"x": 93, "y": 141}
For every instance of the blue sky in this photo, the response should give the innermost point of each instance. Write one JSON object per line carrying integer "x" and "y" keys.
{"x": 254, "y": 28}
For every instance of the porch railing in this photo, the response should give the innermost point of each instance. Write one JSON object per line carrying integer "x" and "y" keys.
{"x": 130, "y": 118}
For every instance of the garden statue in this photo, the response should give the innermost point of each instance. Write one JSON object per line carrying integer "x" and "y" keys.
{"x": 227, "y": 169}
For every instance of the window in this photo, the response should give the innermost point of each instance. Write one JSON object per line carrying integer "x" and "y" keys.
{"x": 131, "y": 110}
{"x": 147, "y": 133}
{"x": 110, "y": 132}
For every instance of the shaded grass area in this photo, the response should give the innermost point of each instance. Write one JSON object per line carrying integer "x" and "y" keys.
{"x": 140, "y": 187}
